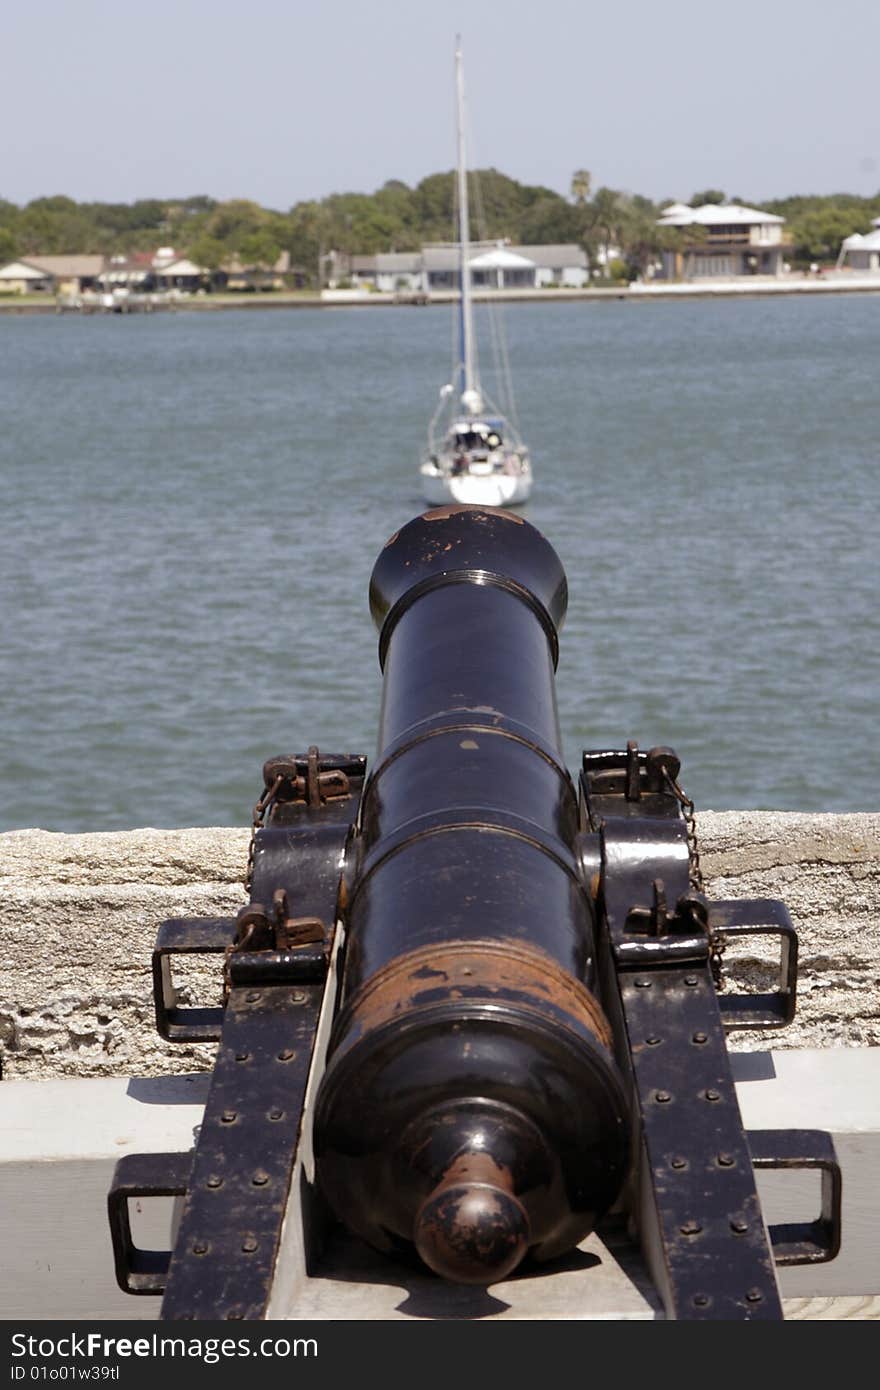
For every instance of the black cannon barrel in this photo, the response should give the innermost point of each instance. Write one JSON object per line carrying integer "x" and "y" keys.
{"x": 470, "y": 1106}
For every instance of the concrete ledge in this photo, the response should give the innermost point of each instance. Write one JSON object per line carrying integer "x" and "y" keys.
{"x": 78, "y": 917}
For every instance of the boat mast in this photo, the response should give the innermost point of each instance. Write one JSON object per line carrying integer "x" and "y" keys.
{"x": 470, "y": 394}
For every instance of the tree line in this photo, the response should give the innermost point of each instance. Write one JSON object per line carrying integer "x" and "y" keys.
{"x": 400, "y": 218}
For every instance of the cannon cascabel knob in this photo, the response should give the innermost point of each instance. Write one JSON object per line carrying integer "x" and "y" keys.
{"x": 472, "y": 1229}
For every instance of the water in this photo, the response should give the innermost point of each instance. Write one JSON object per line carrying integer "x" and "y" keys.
{"x": 192, "y": 504}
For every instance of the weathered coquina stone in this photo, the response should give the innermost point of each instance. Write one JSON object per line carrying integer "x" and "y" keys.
{"x": 78, "y": 917}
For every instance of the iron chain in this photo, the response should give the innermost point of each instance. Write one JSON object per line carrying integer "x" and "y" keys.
{"x": 695, "y": 874}
{"x": 259, "y": 816}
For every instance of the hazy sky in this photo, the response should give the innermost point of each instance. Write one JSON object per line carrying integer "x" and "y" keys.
{"x": 285, "y": 101}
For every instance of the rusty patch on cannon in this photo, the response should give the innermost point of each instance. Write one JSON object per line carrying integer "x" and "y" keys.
{"x": 483, "y": 972}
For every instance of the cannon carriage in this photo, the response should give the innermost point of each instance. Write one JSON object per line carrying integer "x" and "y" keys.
{"x": 473, "y": 1011}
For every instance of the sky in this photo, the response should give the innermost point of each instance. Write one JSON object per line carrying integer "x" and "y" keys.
{"x": 282, "y": 102}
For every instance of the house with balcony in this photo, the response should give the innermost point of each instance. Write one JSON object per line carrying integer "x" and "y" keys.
{"x": 722, "y": 240}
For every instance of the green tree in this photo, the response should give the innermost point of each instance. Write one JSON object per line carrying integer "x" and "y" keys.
{"x": 645, "y": 242}
{"x": 308, "y": 238}
{"x": 435, "y": 202}
{"x": 397, "y": 204}
{"x": 606, "y": 213}
{"x": 9, "y": 218}
{"x": 8, "y": 246}
{"x": 397, "y": 217}
{"x": 708, "y": 195}
{"x": 549, "y": 220}
{"x": 207, "y": 251}
{"x": 816, "y": 236}
{"x": 54, "y": 225}
{"x": 259, "y": 249}
{"x": 237, "y": 218}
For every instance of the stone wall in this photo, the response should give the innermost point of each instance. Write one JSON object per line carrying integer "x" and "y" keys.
{"x": 78, "y": 917}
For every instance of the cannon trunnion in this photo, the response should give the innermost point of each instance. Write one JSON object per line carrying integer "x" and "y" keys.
{"x": 523, "y": 979}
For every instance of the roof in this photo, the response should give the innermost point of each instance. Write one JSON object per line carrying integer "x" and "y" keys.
{"x": 21, "y": 270}
{"x": 716, "y": 214}
{"x": 441, "y": 257}
{"x": 501, "y": 259}
{"x": 236, "y": 266}
{"x": 559, "y": 254}
{"x": 859, "y": 242}
{"x": 399, "y": 260}
{"x": 388, "y": 261}
{"x": 181, "y": 267}
{"x": 139, "y": 258}
{"x": 68, "y": 265}
{"x": 446, "y": 256}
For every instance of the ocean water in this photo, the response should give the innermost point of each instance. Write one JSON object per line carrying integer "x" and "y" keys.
{"x": 192, "y": 504}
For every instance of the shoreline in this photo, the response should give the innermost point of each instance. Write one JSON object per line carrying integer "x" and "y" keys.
{"x": 636, "y": 293}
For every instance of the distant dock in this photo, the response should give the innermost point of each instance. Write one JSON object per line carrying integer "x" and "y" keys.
{"x": 113, "y": 302}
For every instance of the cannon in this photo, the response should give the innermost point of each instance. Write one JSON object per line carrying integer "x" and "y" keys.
{"x": 521, "y": 980}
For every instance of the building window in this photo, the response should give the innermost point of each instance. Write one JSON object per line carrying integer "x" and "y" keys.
{"x": 713, "y": 265}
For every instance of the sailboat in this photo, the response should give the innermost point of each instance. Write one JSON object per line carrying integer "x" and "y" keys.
{"x": 474, "y": 453}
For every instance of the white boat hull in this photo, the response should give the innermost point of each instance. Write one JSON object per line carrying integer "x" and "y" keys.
{"x": 493, "y": 490}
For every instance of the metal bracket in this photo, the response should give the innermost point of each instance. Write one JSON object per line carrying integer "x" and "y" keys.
{"x": 312, "y": 779}
{"x": 759, "y": 917}
{"x": 142, "y": 1175}
{"x": 224, "y": 1256}
{"x": 187, "y": 936}
{"x": 699, "y": 1216}
{"x": 700, "y": 1221}
{"x": 803, "y": 1242}
{"x": 274, "y": 975}
{"x": 654, "y": 935}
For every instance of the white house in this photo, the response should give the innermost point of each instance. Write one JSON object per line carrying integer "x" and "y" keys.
{"x": 862, "y": 252}
{"x": 388, "y": 271}
{"x": 61, "y": 274}
{"x": 179, "y": 274}
{"x": 493, "y": 265}
{"x": 21, "y": 277}
{"x": 732, "y": 240}
{"x": 564, "y": 265}
{"x": 441, "y": 264}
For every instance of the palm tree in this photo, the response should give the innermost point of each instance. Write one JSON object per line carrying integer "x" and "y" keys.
{"x": 606, "y": 218}
{"x": 581, "y": 180}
